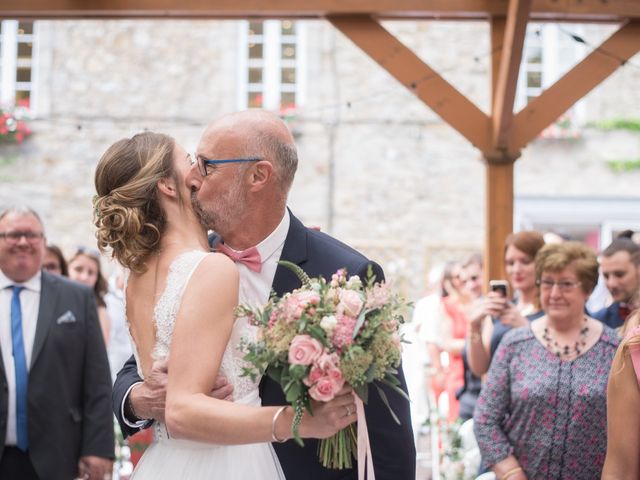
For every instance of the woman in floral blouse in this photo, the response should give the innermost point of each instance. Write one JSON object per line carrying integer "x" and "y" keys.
{"x": 542, "y": 410}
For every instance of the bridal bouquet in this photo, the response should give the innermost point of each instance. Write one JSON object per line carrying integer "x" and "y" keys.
{"x": 325, "y": 334}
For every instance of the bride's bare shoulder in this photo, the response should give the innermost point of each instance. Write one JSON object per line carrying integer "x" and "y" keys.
{"x": 216, "y": 269}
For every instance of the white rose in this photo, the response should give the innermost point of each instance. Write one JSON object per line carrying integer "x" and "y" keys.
{"x": 354, "y": 282}
{"x": 328, "y": 324}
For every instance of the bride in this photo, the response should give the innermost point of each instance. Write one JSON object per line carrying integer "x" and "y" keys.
{"x": 179, "y": 304}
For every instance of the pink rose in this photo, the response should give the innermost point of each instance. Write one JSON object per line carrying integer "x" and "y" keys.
{"x": 323, "y": 390}
{"x": 304, "y": 350}
{"x": 297, "y": 303}
{"x": 378, "y": 296}
{"x": 350, "y": 302}
{"x": 335, "y": 375}
{"x": 327, "y": 361}
{"x": 315, "y": 374}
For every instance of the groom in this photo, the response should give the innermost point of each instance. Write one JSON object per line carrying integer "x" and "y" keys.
{"x": 245, "y": 166}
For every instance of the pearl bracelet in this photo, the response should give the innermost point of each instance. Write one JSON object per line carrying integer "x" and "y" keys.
{"x": 274, "y": 438}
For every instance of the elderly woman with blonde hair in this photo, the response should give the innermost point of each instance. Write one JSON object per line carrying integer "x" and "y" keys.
{"x": 542, "y": 410}
{"x": 623, "y": 408}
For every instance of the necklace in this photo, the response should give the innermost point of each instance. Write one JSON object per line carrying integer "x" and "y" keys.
{"x": 566, "y": 350}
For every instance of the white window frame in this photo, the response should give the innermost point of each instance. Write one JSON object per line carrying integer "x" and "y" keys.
{"x": 271, "y": 63}
{"x": 9, "y": 64}
{"x": 551, "y": 40}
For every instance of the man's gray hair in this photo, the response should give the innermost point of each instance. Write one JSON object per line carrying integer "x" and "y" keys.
{"x": 285, "y": 155}
{"x": 21, "y": 211}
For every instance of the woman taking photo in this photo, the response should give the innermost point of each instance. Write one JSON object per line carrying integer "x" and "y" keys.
{"x": 497, "y": 314}
{"x": 542, "y": 410}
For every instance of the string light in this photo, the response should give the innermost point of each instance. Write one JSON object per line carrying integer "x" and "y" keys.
{"x": 578, "y": 39}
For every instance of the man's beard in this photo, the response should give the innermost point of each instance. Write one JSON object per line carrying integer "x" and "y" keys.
{"x": 224, "y": 212}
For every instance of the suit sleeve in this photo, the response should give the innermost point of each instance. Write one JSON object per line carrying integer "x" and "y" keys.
{"x": 392, "y": 445}
{"x": 97, "y": 425}
{"x": 126, "y": 378}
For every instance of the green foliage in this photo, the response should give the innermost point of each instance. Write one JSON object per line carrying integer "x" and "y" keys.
{"x": 620, "y": 166}
{"x": 629, "y": 124}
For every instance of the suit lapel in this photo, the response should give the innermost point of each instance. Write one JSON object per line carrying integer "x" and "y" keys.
{"x": 295, "y": 251}
{"x": 48, "y": 299}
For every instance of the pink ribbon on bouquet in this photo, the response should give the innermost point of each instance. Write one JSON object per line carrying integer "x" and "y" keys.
{"x": 364, "y": 447}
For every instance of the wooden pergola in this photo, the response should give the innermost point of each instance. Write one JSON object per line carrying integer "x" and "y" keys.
{"x": 500, "y": 135}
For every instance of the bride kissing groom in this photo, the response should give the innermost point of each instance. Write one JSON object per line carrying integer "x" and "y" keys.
{"x": 237, "y": 186}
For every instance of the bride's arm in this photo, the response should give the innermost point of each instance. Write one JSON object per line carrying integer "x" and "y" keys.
{"x": 200, "y": 336}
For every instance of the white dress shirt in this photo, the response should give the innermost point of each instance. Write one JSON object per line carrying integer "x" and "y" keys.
{"x": 256, "y": 286}
{"x": 29, "y": 303}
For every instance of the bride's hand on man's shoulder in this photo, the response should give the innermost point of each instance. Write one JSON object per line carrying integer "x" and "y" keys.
{"x": 329, "y": 417}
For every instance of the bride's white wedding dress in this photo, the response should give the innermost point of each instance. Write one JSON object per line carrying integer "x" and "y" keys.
{"x": 170, "y": 458}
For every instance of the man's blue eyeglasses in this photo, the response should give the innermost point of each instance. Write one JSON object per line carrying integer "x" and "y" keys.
{"x": 203, "y": 162}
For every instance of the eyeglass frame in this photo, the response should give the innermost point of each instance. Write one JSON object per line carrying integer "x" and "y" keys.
{"x": 202, "y": 162}
{"x": 563, "y": 285}
{"x": 14, "y": 237}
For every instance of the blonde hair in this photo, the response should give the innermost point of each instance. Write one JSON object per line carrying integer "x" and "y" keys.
{"x": 127, "y": 212}
{"x": 632, "y": 321}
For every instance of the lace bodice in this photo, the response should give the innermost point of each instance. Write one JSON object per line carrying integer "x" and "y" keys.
{"x": 166, "y": 311}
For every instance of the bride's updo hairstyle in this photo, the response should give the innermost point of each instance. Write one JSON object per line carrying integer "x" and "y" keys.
{"x": 127, "y": 211}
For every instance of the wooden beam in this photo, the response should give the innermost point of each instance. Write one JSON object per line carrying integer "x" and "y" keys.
{"x": 419, "y": 78}
{"x": 497, "y": 27}
{"x": 498, "y": 216}
{"x": 543, "y": 10}
{"x": 575, "y": 84}
{"x": 505, "y": 89}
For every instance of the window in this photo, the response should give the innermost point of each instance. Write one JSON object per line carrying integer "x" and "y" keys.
{"x": 16, "y": 63}
{"x": 270, "y": 65}
{"x": 549, "y": 52}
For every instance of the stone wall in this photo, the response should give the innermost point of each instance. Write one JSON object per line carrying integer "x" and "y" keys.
{"x": 378, "y": 169}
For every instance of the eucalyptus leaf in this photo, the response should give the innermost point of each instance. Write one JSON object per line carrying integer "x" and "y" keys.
{"x": 395, "y": 388}
{"x": 385, "y": 400}
{"x": 293, "y": 392}
{"x": 363, "y": 392}
{"x": 274, "y": 373}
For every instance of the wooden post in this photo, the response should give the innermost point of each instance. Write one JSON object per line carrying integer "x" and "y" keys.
{"x": 498, "y": 215}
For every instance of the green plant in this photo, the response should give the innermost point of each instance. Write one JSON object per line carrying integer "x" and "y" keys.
{"x": 629, "y": 124}
{"x": 619, "y": 166}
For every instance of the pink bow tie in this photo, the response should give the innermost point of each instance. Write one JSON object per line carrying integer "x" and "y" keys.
{"x": 249, "y": 257}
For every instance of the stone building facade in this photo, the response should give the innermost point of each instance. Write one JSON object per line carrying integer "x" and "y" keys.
{"x": 378, "y": 169}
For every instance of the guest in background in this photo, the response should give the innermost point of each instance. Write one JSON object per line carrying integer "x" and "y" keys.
{"x": 623, "y": 409}
{"x": 84, "y": 267}
{"x": 54, "y": 387}
{"x": 119, "y": 348}
{"x": 471, "y": 278}
{"x": 54, "y": 261}
{"x": 443, "y": 331}
{"x": 542, "y": 410}
{"x": 620, "y": 267}
{"x": 497, "y": 314}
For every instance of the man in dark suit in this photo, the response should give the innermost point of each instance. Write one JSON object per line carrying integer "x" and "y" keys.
{"x": 55, "y": 416}
{"x": 244, "y": 168}
{"x": 620, "y": 267}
